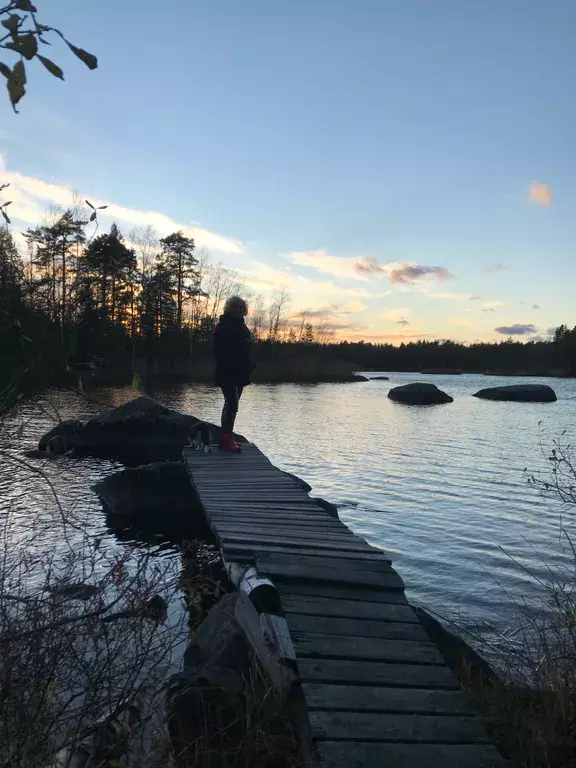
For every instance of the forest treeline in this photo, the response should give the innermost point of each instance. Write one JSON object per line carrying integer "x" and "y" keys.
{"x": 74, "y": 296}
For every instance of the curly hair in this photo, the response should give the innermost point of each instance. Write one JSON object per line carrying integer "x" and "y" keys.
{"x": 236, "y": 305}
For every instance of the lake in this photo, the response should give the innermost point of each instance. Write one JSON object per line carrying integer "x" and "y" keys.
{"x": 442, "y": 488}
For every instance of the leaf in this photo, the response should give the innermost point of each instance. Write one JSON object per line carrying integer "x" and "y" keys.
{"x": 136, "y": 382}
{"x": 101, "y": 207}
{"x": 93, "y": 216}
{"x": 15, "y": 85}
{"x": 6, "y": 71}
{"x": 5, "y": 215}
{"x": 4, "y": 186}
{"x": 6, "y": 204}
{"x": 28, "y": 46}
{"x": 54, "y": 69}
{"x": 12, "y": 22}
{"x": 88, "y": 58}
{"x": 25, "y": 5}
{"x": 89, "y": 203}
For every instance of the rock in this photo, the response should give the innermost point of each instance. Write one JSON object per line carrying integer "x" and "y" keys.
{"x": 159, "y": 491}
{"x": 327, "y": 506}
{"x": 74, "y": 591}
{"x": 519, "y": 393}
{"x": 206, "y": 702}
{"x": 139, "y": 431}
{"x": 419, "y": 394}
{"x": 359, "y": 377}
{"x": 379, "y": 378}
{"x": 443, "y": 371}
{"x": 66, "y": 432}
{"x": 298, "y": 480}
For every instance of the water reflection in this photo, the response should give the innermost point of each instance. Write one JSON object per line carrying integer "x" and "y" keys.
{"x": 441, "y": 488}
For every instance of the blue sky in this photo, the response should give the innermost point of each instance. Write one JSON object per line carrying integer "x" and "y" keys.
{"x": 385, "y": 161}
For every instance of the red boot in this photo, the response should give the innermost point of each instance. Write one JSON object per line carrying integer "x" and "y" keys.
{"x": 227, "y": 443}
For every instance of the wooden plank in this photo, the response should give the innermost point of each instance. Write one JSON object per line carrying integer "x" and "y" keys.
{"x": 309, "y": 573}
{"x": 296, "y": 540}
{"x": 275, "y": 518}
{"x": 349, "y": 754}
{"x": 322, "y": 589}
{"x": 345, "y": 647}
{"x": 377, "y": 564}
{"x": 297, "y": 552}
{"x": 371, "y": 673}
{"x": 362, "y": 698}
{"x": 327, "y": 625}
{"x": 348, "y": 609}
{"x": 360, "y": 726}
{"x": 248, "y": 527}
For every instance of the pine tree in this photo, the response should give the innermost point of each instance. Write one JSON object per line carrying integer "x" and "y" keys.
{"x": 178, "y": 257}
{"x": 108, "y": 266}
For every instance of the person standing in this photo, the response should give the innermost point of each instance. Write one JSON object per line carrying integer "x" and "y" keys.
{"x": 234, "y": 364}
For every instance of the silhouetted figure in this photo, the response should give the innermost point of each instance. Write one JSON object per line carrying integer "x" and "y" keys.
{"x": 234, "y": 364}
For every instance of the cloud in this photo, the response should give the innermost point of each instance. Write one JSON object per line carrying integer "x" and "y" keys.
{"x": 492, "y": 306}
{"x": 535, "y": 306}
{"x": 518, "y": 329}
{"x": 476, "y": 298}
{"x": 27, "y": 192}
{"x": 539, "y": 194}
{"x": 401, "y": 272}
{"x": 322, "y": 261}
{"x": 495, "y": 267}
{"x": 395, "y": 315}
{"x": 403, "y": 321}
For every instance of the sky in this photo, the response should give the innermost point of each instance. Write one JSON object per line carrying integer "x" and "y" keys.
{"x": 405, "y": 168}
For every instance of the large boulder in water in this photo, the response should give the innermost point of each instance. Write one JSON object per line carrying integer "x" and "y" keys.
{"x": 419, "y": 394}
{"x": 139, "y": 431}
{"x": 62, "y": 437}
{"x": 519, "y": 393}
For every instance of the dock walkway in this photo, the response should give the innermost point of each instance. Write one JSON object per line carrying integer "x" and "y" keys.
{"x": 377, "y": 691}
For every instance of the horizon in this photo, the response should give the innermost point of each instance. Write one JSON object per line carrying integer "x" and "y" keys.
{"x": 404, "y": 172}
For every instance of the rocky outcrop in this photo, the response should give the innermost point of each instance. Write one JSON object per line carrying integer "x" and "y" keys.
{"x": 379, "y": 378}
{"x": 62, "y": 437}
{"x": 419, "y": 394}
{"x": 139, "y": 431}
{"x": 519, "y": 393}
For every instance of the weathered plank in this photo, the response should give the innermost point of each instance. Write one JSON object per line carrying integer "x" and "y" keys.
{"x": 333, "y": 575}
{"x": 375, "y": 673}
{"x": 322, "y": 589}
{"x": 359, "y": 726}
{"x": 297, "y": 552}
{"x": 296, "y": 540}
{"x": 277, "y": 519}
{"x": 335, "y": 560}
{"x": 386, "y": 630}
{"x": 249, "y": 528}
{"x": 336, "y": 754}
{"x": 348, "y": 609}
{"x": 362, "y": 698}
{"x": 367, "y": 648}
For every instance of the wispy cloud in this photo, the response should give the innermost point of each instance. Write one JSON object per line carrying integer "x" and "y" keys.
{"x": 497, "y": 267}
{"x": 535, "y": 306}
{"x": 397, "y": 316}
{"x": 401, "y": 272}
{"x": 518, "y": 329}
{"x": 476, "y": 298}
{"x": 539, "y": 194}
{"x": 322, "y": 261}
{"x": 31, "y": 195}
{"x": 492, "y": 306}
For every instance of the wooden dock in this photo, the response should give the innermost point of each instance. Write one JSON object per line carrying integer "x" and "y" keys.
{"x": 332, "y": 619}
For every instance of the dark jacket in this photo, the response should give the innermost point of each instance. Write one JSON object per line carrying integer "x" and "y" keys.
{"x": 233, "y": 352}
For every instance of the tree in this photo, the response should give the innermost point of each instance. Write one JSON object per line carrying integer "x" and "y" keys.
{"x": 308, "y": 337}
{"x": 110, "y": 265}
{"x": 52, "y": 246}
{"x": 178, "y": 256}
{"x": 157, "y": 306}
{"x": 23, "y": 39}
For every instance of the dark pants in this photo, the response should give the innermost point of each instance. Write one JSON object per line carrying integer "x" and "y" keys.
{"x": 232, "y": 394}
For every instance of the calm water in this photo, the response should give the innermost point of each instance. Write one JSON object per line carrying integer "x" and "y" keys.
{"x": 442, "y": 488}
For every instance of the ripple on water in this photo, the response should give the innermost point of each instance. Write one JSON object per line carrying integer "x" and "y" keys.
{"x": 442, "y": 488}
